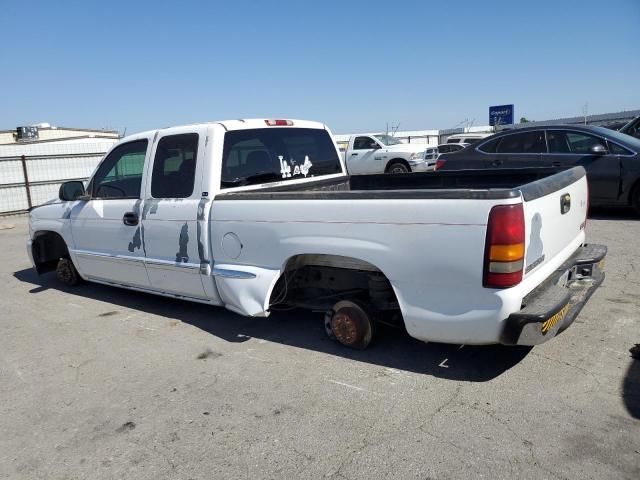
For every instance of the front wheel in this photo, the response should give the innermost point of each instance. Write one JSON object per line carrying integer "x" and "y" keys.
{"x": 67, "y": 273}
{"x": 398, "y": 167}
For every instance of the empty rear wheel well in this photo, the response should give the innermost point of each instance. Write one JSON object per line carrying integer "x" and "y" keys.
{"x": 47, "y": 248}
{"x": 317, "y": 282}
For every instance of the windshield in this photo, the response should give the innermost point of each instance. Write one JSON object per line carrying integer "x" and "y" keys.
{"x": 388, "y": 140}
{"x": 264, "y": 155}
{"x": 628, "y": 125}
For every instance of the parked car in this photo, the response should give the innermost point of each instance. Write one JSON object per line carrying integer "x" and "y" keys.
{"x": 632, "y": 128}
{"x": 611, "y": 159}
{"x": 380, "y": 153}
{"x": 254, "y": 215}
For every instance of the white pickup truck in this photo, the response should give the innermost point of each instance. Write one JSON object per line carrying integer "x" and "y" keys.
{"x": 380, "y": 153}
{"x": 256, "y": 215}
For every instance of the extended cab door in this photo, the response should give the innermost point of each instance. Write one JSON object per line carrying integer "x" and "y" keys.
{"x": 106, "y": 228}
{"x": 361, "y": 157}
{"x": 571, "y": 147}
{"x": 175, "y": 215}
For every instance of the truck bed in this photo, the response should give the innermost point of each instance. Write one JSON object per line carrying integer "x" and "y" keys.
{"x": 532, "y": 183}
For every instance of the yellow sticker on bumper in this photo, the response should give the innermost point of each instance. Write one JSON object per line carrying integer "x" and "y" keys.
{"x": 549, "y": 324}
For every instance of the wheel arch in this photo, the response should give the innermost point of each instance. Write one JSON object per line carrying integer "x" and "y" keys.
{"x": 300, "y": 260}
{"x": 397, "y": 160}
{"x": 47, "y": 247}
{"x": 633, "y": 191}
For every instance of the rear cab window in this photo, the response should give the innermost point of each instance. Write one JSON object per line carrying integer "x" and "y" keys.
{"x": 490, "y": 146}
{"x": 265, "y": 155}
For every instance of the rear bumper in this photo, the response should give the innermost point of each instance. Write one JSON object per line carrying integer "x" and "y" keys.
{"x": 554, "y": 305}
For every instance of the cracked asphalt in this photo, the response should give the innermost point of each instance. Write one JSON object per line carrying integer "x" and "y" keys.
{"x": 101, "y": 383}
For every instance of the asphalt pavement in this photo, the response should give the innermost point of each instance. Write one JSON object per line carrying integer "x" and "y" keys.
{"x": 101, "y": 383}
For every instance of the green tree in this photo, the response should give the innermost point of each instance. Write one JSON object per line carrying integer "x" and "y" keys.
{"x": 524, "y": 120}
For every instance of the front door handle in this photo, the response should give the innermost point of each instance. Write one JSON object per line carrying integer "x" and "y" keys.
{"x": 497, "y": 163}
{"x": 353, "y": 154}
{"x": 555, "y": 164}
{"x": 130, "y": 218}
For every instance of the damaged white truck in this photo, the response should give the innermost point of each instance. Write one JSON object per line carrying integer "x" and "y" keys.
{"x": 256, "y": 215}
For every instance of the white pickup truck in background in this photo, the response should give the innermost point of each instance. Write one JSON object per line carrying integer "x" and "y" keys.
{"x": 256, "y": 215}
{"x": 380, "y": 153}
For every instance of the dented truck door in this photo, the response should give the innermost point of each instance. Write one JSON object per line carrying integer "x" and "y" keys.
{"x": 105, "y": 226}
{"x": 176, "y": 253}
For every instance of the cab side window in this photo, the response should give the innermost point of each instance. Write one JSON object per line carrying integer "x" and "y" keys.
{"x": 581, "y": 142}
{"x": 120, "y": 174}
{"x": 557, "y": 141}
{"x": 174, "y": 166}
{"x": 490, "y": 146}
{"x": 616, "y": 149}
{"x": 525, "y": 142}
{"x": 364, "y": 143}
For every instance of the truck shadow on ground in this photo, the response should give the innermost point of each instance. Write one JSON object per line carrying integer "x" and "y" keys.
{"x": 392, "y": 348}
{"x": 631, "y": 389}
{"x": 612, "y": 213}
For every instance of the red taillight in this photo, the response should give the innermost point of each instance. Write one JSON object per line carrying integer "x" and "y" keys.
{"x": 279, "y": 123}
{"x": 504, "y": 248}
{"x": 439, "y": 164}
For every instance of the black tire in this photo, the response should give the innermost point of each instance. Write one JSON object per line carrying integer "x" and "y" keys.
{"x": 67, "y": 273}
{"x": 350, "y": 325}
{"x": 398, "y": 167}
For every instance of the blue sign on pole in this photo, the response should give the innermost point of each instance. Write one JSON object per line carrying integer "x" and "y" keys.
{"x": 501, "y": 115}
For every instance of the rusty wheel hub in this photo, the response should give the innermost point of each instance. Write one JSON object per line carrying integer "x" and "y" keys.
{"x": 345, "y": 328}
{"x": 350, "y": 325}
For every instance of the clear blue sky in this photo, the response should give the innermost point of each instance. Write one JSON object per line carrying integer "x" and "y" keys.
{"x": 354, "y": 65}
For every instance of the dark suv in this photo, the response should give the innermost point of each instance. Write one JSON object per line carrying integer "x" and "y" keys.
{"x": 611, "y": 158}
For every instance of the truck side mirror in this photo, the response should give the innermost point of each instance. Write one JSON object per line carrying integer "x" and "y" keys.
{"x": 70, "y": 191}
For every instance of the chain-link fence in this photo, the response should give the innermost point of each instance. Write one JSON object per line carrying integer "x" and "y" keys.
{"x": 31, "y": 174}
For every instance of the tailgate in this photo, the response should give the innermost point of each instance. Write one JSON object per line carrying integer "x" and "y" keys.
{"x": 555, "y": 210}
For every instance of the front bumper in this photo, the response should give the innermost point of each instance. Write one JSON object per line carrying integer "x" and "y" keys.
{"x": 30, "y": 252}
{"x": 426, "y": 166}
{"x": 553, "y": 306}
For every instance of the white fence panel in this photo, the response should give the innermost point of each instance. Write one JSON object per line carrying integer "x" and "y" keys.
{"x": 13, "y": 199}
{"x": 11, "y": 172}
{"x": 48, "y": 164}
